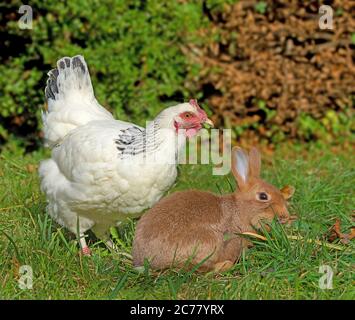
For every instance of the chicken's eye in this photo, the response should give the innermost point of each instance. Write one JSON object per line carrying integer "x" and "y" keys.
{"x": 263, "y": 196}
{"x": 187, "y": 115}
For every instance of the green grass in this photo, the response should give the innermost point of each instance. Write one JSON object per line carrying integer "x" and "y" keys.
{"x": 276, "y": 269}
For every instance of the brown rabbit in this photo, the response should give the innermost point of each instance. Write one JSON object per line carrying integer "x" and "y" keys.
{"x": 195, "y": 226}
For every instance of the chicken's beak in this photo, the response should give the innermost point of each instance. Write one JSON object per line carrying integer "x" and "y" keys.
{"x": 209, "y": 123}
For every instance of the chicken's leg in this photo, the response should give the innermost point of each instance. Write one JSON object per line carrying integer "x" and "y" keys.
{"x": 85, "y": 250}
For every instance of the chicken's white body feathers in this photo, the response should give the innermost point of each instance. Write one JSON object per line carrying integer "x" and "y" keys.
{"x": 93, "y": 178}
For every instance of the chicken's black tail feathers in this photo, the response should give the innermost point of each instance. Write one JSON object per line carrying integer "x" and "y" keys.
{"x": 70, "y": 76}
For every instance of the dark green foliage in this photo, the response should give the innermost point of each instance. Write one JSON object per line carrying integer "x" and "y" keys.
{"x": 134, "y": 52}
{"x": 132, "y": 49}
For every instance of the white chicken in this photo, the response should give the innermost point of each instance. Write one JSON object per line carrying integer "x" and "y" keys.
{"x": 103, "y": 170}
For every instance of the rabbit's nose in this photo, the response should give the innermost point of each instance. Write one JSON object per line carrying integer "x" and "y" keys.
{"x": 282, "y": 219}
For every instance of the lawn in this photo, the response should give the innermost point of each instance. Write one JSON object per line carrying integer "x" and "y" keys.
{"x": 278, "y": 268}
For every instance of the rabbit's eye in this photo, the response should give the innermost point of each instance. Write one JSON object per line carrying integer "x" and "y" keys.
{"x": 263, "y": 196}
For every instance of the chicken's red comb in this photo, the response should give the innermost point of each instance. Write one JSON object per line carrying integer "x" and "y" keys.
{"x": 202, "y": 113}
{"x": 194, "y": 103}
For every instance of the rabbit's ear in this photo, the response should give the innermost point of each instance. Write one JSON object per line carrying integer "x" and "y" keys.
{"x": 287, "y": 192}
{"x": 254, "y": 162}
{"x": 240, "y": 167}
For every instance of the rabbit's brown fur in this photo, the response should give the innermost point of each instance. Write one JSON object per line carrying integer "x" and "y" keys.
{"x": 188, "y": 227}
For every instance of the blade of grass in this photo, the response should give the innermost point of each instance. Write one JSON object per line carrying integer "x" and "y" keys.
{"x": 18, "y": 256}
{"x": 118, "y": 287}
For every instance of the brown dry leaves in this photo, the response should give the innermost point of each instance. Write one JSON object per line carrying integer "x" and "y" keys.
{"x": 335, "y": 233}
{"x": 280, "y": 57}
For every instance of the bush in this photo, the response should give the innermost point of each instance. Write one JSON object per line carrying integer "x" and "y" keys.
{"x": 263, "y": 67}
{"x": 132, "y": 49}
{"x": 270, "y": 72}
